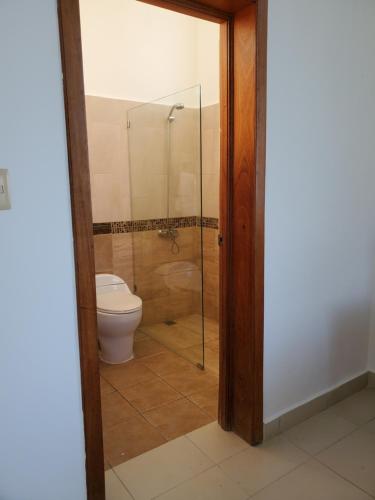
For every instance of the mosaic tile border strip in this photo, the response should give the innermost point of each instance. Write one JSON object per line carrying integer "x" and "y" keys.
{"x": 210, "y": 222}
{"x": 136, "y": 226}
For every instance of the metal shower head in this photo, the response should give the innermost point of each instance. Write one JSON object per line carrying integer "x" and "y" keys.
{"x": 178, "y": 106}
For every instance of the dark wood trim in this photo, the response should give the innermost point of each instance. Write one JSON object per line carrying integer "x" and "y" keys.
{"x": 192, "y": 8}
{"x": 71, "y": 55}
{"x": 216, "y": 9}
{"x": 261, "y": 129}
{"x": 226, "y": 170}
{"x": 243, "y": 115}
{"x": 244, "y": 378}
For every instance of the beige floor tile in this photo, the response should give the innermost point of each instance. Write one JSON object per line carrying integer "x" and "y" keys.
{"x": 216, "y": 443}
{"x": 150, "y": 395}
{"x": 177, "y": 418}
{"x": 301, "y": 413}
{"x": 114, "y": 489}
{"x": 140, "y": 336}
{"x": 257, "y": 467}
{"x": 165, "y": 363}
{"x": 211, "y": 330}
{"x": 105, "y": 387}
{"x": 319, "y": 432}
{"x": 213, "y": 345}
{"x": 174, "y": 337}
{"x": 359, "y": 408}
{"x": 195, "y": 355}
{"x": 210, "y": 485}
{"x": 193, "y": 322}
{"x": 370, "y": 427}
{"x": 129, "y": 439}
{"x": 127, "y": 374}
{"x": 211, "y": 361}
{"x": 115, "y": 409}
{"x": 354, "y": 459}
{"x": 147, "y": 347}
{"x": 207, "y": 400}
{"x": 311, "y": 481}
{"x": 271, "y": 429}
{"x": 191, "y": 380}
{"x": 162, "y": 469}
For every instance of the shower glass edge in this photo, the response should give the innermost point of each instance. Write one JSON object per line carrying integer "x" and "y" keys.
{"x": 165, "y": 166}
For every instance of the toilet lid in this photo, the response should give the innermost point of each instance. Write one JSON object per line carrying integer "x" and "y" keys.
{"x": 118, "y": 302}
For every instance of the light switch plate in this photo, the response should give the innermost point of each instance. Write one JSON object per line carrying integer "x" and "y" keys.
{"x": 4, "y": 190}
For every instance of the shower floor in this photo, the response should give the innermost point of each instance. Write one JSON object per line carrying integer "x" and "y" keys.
{"x": 184, "y": 337}
{"x": 161, "y": 394}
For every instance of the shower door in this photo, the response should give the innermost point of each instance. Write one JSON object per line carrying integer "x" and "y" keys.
{"x": 166, "y": 202}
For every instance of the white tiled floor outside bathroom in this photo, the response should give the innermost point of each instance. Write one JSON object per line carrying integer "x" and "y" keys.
{"x": 331, "y": 456}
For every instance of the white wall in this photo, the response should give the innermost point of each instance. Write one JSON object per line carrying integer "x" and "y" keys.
{"x": 208, "y": 61}
{"x": 139, "y": 52}
{"x": 41, "y": 427}
{"x": 320, "y": 197}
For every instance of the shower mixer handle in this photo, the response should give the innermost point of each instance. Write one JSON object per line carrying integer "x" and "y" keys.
{"x": 169, "y": 233}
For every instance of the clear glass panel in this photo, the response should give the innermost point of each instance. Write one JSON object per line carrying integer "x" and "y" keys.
{"x": 166, "y": 199}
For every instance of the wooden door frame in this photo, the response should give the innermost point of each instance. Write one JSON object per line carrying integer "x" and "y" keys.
{"x": 242, "y": 199}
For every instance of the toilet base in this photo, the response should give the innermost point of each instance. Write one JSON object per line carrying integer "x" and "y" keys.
{"x": 116, "y": 350}
{"x": 114, "y": 363}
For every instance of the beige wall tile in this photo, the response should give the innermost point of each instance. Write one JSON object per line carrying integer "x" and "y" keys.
{"x": 211, "y": 306}
{"x": 211, "y": 273}
{"x": 211, "y": 204}
{"x": 154, "y": 311}
{"x": 122, "y": 246}
{"x": 150, "y": 286}
{"x": 103, "y": 253}
{"x": 109, "y": 154}
{"x": 169, "y": 285}
{"x": 151, "y": 251}
{"x": 101, "y": 193}
{"x": 211, "y": 160}
{"x": 106, "y": 146}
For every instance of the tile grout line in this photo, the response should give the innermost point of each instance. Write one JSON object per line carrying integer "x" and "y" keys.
{"x": 185, "y": 481}
{"x": 337, "y": 473}
{"x": 123, "y": 484}
{"x": 343, "y": 478}
{"x": 252, "y": 495}
{"x": 217, "y": 464}
{"x": 315, "y": 457}
{"x": 323, "y": 449}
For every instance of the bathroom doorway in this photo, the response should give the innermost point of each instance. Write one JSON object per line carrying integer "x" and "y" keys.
{"x": 242, "y": 33}
{"x": 155, "y": 174}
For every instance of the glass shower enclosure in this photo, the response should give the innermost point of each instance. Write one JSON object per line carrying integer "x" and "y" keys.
{"x": 165, "y": 158}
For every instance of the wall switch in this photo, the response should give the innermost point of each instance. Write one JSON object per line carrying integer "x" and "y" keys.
{"x": 4, "y": 191}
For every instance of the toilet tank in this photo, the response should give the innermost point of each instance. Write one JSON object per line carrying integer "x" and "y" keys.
{"x": 107, "y": 279}
{"x": 110, "y": 280}
{"x": 106, "y": 283}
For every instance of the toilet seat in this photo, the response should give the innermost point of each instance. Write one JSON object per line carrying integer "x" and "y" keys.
{"x": 118, "y": 302}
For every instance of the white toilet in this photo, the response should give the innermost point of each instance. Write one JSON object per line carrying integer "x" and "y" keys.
{"x": 119, "y": 315}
